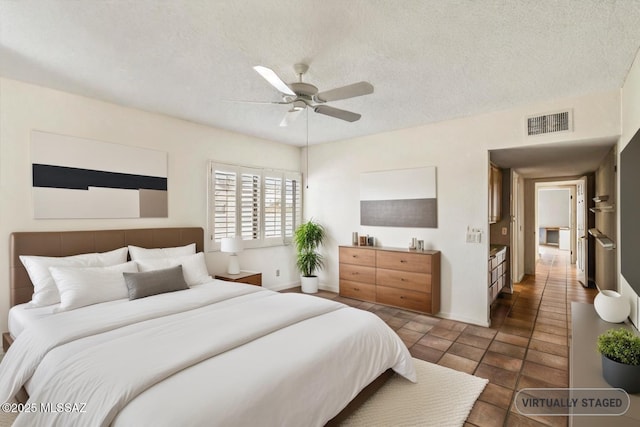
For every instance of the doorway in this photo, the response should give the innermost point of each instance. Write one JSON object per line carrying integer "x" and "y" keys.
{"x": 555, "y": 219}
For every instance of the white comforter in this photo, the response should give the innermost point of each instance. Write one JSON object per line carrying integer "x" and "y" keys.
{"x": 217, "y": 354}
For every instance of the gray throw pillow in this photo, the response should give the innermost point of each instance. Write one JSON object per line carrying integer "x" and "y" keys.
{"x": 155, "y": 282}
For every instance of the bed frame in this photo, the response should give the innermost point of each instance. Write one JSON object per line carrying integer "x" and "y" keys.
{"x": 66, "y": 243}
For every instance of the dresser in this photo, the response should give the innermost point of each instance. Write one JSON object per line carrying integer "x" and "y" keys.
{"x": 391, "y": 276}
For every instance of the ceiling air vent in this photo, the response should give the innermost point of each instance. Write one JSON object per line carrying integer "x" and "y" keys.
{"x": 549, "y": 123}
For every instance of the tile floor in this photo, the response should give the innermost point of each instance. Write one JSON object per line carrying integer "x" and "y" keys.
{"x": 527, "y": 344}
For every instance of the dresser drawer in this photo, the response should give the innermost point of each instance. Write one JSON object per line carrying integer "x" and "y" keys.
{"x": 405, "y": 261}
{"x": 359, "y": 256}
{"x": 412, "y": 300}
{"x": 356, "y": 290}
{"x": 357, "y": 273}
{"x": 420, "y": 282}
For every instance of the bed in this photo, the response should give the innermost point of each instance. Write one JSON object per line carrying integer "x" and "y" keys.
{"x": 215, "y": 353}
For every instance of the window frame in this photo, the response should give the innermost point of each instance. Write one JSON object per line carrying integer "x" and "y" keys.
{"x": 285, "y": 236}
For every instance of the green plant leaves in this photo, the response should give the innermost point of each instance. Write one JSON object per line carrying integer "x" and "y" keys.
{"x": 620, "y": 345}
{"x": 307, "y": 238}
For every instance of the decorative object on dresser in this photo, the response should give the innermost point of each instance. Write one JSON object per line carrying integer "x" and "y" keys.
{"x": 620, "y": 349}
{"x": 308, "y": 237}
{"x": 232, "y": 245}
{"x": 249, "y": 277}
{"x": 391, "y": 276}
{"x": 611, "y": 306}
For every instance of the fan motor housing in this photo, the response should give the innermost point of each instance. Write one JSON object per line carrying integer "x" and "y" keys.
{"x": 303, "y": 89}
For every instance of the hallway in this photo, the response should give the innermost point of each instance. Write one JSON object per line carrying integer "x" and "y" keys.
{"x": 539, "y": 312}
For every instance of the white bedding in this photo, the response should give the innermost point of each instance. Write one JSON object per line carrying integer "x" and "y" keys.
{"x": 22, "y": 315}
{"x": 218, "y": 354}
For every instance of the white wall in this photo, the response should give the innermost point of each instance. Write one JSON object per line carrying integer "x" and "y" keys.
{"x": 459, "y": 151}
{"x": 630, "y": 105}
{"x": 554, "y": 207}
{"x": 24, "y": 107}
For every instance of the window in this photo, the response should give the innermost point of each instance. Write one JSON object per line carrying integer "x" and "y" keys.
{"x": 263, "y": 206}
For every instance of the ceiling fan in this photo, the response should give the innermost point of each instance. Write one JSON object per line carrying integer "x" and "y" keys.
{"x": 301, "y": 95}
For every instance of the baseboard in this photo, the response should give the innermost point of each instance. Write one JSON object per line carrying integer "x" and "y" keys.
{"x": 449, "y": 316}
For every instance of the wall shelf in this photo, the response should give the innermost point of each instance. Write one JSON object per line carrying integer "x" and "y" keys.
{"x": 602, "y": 198}
{"x": 603, "y": 239}
{"x": 605, "y": 208}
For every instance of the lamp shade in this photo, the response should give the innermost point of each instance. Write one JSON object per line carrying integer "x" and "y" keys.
{"x": 231, "y": 245}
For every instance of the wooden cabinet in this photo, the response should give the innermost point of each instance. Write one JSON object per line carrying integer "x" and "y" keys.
{"x": 249, "y": 277}
{"x": 358, "y": 273}
{"x": 495, "y": 194}
{"x": 391, "y": 276}
{"x": 498, "y": 272}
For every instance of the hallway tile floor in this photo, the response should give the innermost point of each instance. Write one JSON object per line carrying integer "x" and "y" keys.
{"x": 527, "y": 344}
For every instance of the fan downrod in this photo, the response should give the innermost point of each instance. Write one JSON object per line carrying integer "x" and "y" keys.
{"x": 303, "y": 90}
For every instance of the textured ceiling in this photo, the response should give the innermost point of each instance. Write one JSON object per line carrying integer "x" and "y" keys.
{"x": 428, "y": 60}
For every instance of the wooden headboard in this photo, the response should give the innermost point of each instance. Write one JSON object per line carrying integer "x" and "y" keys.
{"x": 65, "y": 243}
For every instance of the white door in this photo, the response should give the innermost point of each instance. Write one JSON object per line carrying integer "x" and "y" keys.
{"x": 517, "y": 229}
{"x": 581, "y": 232}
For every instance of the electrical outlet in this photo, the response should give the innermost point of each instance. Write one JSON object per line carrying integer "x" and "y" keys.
{"x": 278, "y": 273}
{"x": 504, "y": 231}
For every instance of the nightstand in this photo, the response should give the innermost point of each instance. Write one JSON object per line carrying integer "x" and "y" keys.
{"x": 250, "y": 277}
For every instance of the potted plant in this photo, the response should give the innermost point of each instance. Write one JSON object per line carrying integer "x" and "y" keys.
{"x": 620, "y": 349}
{"x": 307, "y": 238}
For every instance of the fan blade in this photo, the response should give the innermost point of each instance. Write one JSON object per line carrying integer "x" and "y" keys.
{"x": 337, "y": 113}
{"x": 273, "y": 79}
{"x": 242, "y": 101}
{"x": 290, "y": 117}
{"x": 344, "y": 92}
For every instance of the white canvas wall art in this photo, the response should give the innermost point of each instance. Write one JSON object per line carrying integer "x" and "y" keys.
{"x": 399, "y": 198}
{"x": 82, "y": 178}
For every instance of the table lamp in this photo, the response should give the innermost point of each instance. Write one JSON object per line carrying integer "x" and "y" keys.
{"x": 232, "y": 245}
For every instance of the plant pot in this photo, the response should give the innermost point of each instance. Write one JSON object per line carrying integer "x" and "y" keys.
{"x": 611, "y": 306}
{"x": 620, "y": 375}
{"x": 309, "y": 284}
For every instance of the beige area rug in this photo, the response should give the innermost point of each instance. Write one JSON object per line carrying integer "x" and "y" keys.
{"x": 442, "y": 397}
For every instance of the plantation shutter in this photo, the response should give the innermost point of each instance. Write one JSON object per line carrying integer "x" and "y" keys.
{"x": 261, "y": 206}
{"x": 224, "y": 201}
{"x": 293, "y": 206}
{"x": 250, "y": 206}
{"x": 272, "y": 207}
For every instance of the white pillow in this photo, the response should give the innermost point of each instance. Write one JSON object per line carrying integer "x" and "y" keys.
{"x": 82, "y": 286}
{"x": 44, "y": 288}
{"x": 138, "y": 253}
{"x": 194, "y": 267}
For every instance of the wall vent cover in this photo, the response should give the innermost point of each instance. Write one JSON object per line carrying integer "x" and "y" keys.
{"x": 550, "y": 123}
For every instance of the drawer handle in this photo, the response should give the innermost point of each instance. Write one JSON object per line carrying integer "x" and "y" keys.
{"x": 403, "y": 261}
{"x": 355, "y": 273}
{"x": 402, "y": 279}
{"x": 401, "y": 296}
{"x": 355, "y": 256}
{"x": 356, "y": 289}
